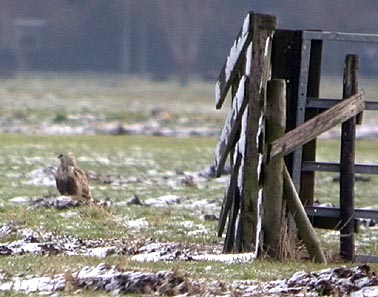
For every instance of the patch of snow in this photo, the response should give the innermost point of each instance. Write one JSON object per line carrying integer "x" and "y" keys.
{"x": 366, "y": 292}
{"x": 69, "y": 214}
{"x": 217, "y": 92}
{"x": 248, "y": 63}
{"x": 241, "y": 146}
{"x": 242, "y": 140}
{"x": 259, "y": 219}
{"x": 95, "y": 159}
{"x": 342, "y": 281}
{"x": 227, "y": 258}
{"x": 42, "y": 177}
{"x": 240, "y": 184}
{"x": 237, "y": 105}
{"x": 21, "y": 247}
{"x": 102, "y": 277}
{"x": 163, "y": 201}
{"x": 203, "y": 231}
{"x": 203, "y": 204}
{"x": 236, "y": 49}
{"x": 50, "y": 129}
{"x": 147, "y": 257}
{"x": 186, "y": 224}
{"x": 34, "y": 284}
{"x": 6, "y": 230}
{"x": 101, "y": 252}
{"x": 259, "y": 165}
{"x": 21, "y": 200}
{"x": 246, "y": 24}
{"x": 260, "y": 132}
{"x": 260, "y": 129}
{"x": 267, "y": 47}
{"x": 240, "y": 95}
{"x": 140, "y": 223}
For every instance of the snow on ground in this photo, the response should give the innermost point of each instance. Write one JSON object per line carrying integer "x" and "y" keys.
{"x": 357, "y": 281}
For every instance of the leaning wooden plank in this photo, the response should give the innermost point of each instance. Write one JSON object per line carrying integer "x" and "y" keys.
{"x": 233, "y": 62}
{"x": 232, "y": 227}
{"x": 231, "y": 127}
{"x": 305, "y": 229}
{"x": 229, "y": 195}
{"x": 337, "y": 114}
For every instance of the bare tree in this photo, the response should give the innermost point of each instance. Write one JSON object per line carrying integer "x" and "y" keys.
{"x": 183, "y": 23}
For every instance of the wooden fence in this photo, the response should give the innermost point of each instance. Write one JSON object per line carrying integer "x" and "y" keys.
{"x": 269, "y": 72}
{"x": 245, "y": 72}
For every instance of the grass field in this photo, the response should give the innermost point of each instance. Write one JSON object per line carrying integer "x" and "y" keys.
{"x": 147, "y": 159}
{"x": 150, "y": 167}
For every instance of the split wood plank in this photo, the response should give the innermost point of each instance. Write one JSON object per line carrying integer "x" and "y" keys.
{"x": 308, "y": 131}
{"x": 231, "y": 127}
{"x": 229, "y": 195}
{"x": 233, "y": 61}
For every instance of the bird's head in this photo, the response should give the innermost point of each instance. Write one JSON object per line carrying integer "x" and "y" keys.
{"x": 68, "y": 159}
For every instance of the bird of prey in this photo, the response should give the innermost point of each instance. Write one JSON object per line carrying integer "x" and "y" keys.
{"x": 71, "y": 179}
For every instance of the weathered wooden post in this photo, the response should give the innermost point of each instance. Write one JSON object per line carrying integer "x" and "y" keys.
{"x": 347, "y": 160}
{"x": 251, "y": 190}
{"x": 274, "y": 211}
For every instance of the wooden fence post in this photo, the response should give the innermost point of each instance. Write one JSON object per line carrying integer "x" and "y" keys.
{"x": 274, "y": 212}
{"x": 347, "y": 160}
{"x": 251, "y": 192}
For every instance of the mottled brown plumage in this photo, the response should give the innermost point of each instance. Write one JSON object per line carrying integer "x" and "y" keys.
{"x": 71, "y": 179}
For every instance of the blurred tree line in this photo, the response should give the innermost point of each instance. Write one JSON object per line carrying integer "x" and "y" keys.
{"x": 159, "y": 38}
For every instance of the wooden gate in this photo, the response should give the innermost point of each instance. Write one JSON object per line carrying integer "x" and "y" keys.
{"x": 297, "y": 57}
{"x": 294, "y": 57}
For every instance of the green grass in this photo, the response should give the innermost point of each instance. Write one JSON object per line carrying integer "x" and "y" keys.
{"x": 150, "y": 160}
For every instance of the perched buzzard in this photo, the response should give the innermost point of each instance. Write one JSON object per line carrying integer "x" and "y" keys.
{"x": 70, "y": 179}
